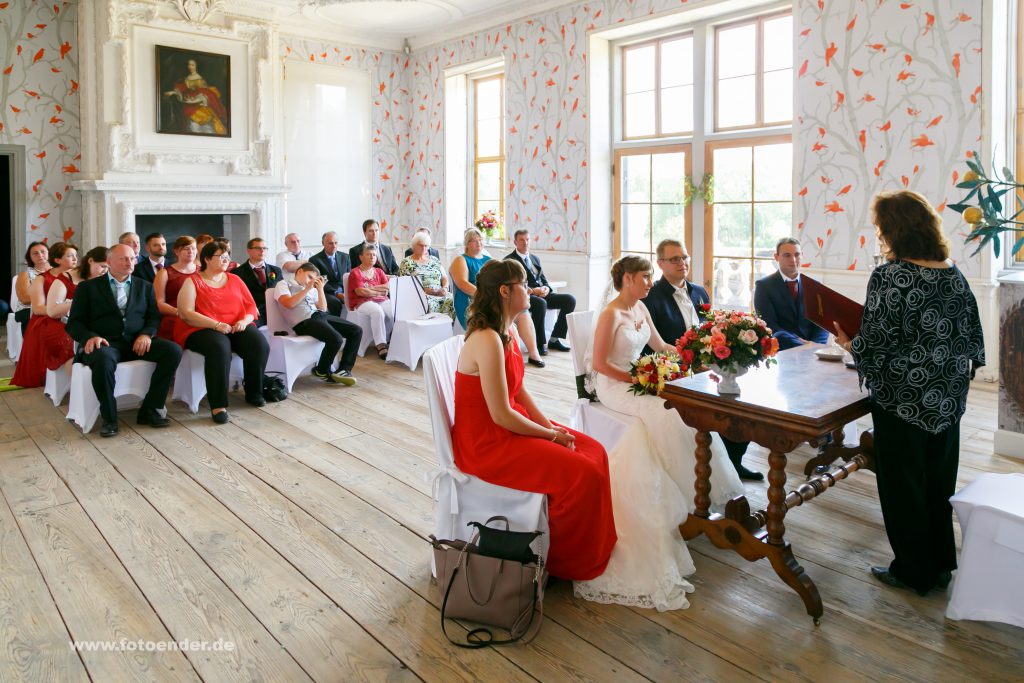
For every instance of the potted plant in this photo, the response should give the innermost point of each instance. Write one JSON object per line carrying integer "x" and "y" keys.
{"x": 987, "y": 215}
{"x": 489, "y": 225}
{"x": 727, "y": 342}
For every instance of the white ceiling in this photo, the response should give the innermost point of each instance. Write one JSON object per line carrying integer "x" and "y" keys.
{"x": 387, "y": 23}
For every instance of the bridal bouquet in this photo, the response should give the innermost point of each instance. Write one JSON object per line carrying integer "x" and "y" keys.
{"x": 731, "y": 340}
{"x": 650, "y": 373}
{"x": 488, "y": 224}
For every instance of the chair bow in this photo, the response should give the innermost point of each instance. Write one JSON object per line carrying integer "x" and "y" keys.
{"x": 434, "y": 477}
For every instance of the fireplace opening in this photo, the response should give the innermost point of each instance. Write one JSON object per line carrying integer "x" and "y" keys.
{"x": 232, "y": 226}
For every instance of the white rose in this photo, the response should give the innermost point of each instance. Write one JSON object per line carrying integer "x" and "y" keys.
{"x": 748, "y": 336}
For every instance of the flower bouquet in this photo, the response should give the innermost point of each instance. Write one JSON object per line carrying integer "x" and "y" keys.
{"x": 488, "y": 224}
{"x": 728, "y": 342}
{"x": 650, "y": 373}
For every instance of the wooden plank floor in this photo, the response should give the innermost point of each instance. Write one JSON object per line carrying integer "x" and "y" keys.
{"x": 296, "y": 533}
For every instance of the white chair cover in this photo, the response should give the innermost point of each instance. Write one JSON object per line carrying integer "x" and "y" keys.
{"x": 190, "y": 382}
{"x": 290, "y": 354}
{"x": 988, "y": 584}
{"x": 590, "y": 417}
{"x": 462, "y": 498}
{"x": 58, "y": 383}
{"x": 132, "y": 379}
{"x": 364, "y": 321}
{"x": 13, "y": 329}
{"x": 413, "y": 332}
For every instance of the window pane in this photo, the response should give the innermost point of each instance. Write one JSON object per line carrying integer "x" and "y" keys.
{"x": 488, "y": 99}
{"x": 731, "y": 168}
{"x": 778, "y": 43}
{"x": 773, "y": 172}
{"x": 778, "y": 96}
{"x": 667, "y": 173}
{"x": 677, "y": 62}
{"x": 636, "y": 227}
{"x": 667, "y": 222}
{"x": 636, "y": 178}
{"x": 772, "y": 222}
{"x": 677, "y": 109}
{"x": 640, "y": 114}
{"x": 736, "y": 51}
{"x": 488, "y": 138}
{"x": 731, "y": 283}
{"x": 736, "y": 102}
{"x": 732, "y": 230}
{"x": 484, "y": 206}
{"x": 764, "y": 268}
{"x": 639, "y": 71}
{"x": 488, "y": 181}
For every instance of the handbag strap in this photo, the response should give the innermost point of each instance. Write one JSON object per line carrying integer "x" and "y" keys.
{"x": 473, "y": 637}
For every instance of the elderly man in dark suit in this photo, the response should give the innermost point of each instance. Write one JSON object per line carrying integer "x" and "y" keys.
{"x": 334, "y": 266}
{"x": 115, "y": 319}
{"x": 779, "y": 300}
{"x": 258, "y": 275}
{"x": 541, "y": 296}
{"x": 430, "y": 250}
{"x": 154, "y": 260}
{"x": 385, "y": 257}
{"x": 675, "y": 305}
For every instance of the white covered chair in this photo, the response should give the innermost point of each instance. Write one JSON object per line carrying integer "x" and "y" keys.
{"x": 988, "y": 582}
{"x": 290, "y": 354}
{"x": 462, "y": 498}
{"x": 58, "y": 383}
{"x": 132, "y": 379}
{"x": 190, "y": 382}
{"x": 588, "y": 415}
{"x": 364, "y": 321}
{"x": 13, "y": 329}
{"x": 413, "y": 332}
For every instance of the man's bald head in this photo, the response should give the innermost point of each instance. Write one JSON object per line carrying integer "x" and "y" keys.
{"x": 120, "y": 261}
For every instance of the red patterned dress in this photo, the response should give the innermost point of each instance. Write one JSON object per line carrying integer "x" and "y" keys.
{"x": 575, "y": 481}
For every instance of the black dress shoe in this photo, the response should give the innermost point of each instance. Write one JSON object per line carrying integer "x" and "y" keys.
{"x": 108, "y": 429}
{"x": 558, "y": 346}
{"x": 148, "y": 416}
{"x": 885, "y": 576}
{"x": 748, "y": 475}
{"x": 257, "y": 401}
{"x": 221, "y": 418}
{"x": 536, "y": 363}
{"x": 542, "y": 350}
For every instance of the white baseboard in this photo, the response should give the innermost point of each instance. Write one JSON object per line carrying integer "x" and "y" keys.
{"x": 1009, "y": 444}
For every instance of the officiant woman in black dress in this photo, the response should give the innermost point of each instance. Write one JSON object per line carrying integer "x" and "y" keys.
{"x": 919, "y": 344}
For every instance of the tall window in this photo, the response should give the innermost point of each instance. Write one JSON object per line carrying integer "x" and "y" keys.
{"x": 1018, "y": 260}
{"x": 742, "y": 141}
{"x": 489, "y": 147}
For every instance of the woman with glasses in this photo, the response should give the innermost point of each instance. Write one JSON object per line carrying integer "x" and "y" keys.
{"x": 216, "y": 314}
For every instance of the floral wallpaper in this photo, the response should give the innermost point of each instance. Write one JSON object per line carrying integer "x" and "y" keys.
{"x": 39, "y": 96}
{"x": 888, "y": 97}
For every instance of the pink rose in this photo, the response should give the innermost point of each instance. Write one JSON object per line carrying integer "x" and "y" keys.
{"x": 747, "y": 336}
{"x": 722, "y": 352}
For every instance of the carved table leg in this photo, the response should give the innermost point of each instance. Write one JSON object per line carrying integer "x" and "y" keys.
{"x": 702, "y": 487}
{"x": 790, "y": 571}
{"x": 776, "y": 498}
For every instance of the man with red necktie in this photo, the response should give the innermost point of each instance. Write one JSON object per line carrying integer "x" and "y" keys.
{"x": 258, "y": 275}
{"x": 779, "y": 300}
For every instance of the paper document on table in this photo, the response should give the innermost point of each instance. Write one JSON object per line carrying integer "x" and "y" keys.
{"x": 824, "y": 307}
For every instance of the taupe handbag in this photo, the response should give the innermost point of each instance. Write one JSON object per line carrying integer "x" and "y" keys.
{"x": 490, "y": 590}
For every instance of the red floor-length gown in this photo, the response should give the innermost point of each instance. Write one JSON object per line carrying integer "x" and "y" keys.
{"x": 576, "y": 481}
{"x": 41, "y": 333}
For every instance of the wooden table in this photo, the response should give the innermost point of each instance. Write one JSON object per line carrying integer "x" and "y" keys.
{"x": 800, "y": 399}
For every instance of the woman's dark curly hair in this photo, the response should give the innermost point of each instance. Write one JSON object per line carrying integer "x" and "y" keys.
{"x": 909, "y": 226}
{"x": 484, "y": 311}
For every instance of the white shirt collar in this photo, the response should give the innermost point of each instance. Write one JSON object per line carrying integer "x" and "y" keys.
{"x": 157, "y": 262}
{"x": 685, "y": 287}
{"x": 522, "y": 255}
{"x": 261, "y": 264}
{"x": 790, "y": 279}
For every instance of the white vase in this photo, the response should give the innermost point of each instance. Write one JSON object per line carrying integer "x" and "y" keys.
{"x": 727, "y": 383}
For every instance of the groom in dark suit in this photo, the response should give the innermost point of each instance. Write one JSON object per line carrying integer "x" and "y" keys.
{"x": 371, "y": 240}
{"x": 779, "y": 300}
{"x": 675, "y": 305}
{"x": 334, "y": 266}
{"x": 258, "y": 275}
{"x": 542, "y": 297}
{"x": 115, "y": 319}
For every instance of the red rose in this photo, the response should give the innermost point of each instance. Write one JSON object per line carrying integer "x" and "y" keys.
{"x": 704, "y": 308}
{"x": 722, "y": 352}
{"x": 687, "y": 356}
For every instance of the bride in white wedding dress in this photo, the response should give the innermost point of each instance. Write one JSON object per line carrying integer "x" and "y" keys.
{"x": 652, "y": 466}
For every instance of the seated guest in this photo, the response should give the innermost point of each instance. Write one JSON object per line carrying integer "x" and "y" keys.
{"x": 231, "y": 264}
{"x": 426, "y": 231}
{"x": 37, "y": 262}
{"x": 202, "y": 240}
{"x": 673, "y": 303}
{"x": 114, "y": 317}
{"x": 259, "y": 276}
{"x": 385, "y": 258}
{"x": 334, "y": 266}
{"x": 215, "y": 319}
{"x": 168, "y": 283}
{"x": 303, "y": 304}
{"x": 427, "y": 268}
{"x": 919, "y": 345}
{"x": 779, "y": 300}
{"x": 46, "y": 342}
{"x": 541, "y": 296}
{"x": 367, "y": 290}
{"x": 293, "y": 255}
{"x": 154, "y": 260}
{"x": 131, "y": 239}
{"x": 502, "y": 437}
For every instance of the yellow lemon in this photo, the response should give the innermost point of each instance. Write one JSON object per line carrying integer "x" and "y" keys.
{"x": 973, "y": 215}
{"x": 970, "y": 177}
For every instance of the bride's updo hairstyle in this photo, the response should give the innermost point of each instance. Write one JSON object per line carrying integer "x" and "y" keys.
{"x": 485, "y": 310}
{"x": 629, "y": 265}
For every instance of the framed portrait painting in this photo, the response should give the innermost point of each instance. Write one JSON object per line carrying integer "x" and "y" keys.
{"x": 193, "y": 92}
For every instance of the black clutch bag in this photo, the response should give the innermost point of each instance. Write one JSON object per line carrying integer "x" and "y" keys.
{"x": 504, "y": 543}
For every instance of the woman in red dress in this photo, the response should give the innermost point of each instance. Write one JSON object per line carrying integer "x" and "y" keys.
{"x": 46, "y": 342}
{"x": 168, "y": 283}
{"x": 502, "y": 437}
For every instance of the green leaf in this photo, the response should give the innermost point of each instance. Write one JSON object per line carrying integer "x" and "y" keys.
{"x": 1017, "y": 246}
{"x": 975, "y": 167}
{"x": 959, "y": 208}
{"x": 969, "y": 183}
{"x": 993, "y": 198}
{"x": 1009, "y": 175}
